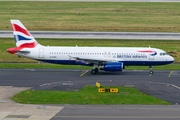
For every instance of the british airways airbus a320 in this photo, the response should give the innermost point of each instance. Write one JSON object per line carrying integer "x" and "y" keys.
{"x": 105, "y": 58}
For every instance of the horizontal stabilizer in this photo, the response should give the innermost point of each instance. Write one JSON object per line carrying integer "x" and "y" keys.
{"x": 17, "y": 51}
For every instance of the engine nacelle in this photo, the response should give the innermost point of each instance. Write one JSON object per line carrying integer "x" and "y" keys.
{"x": 115, "y": 66}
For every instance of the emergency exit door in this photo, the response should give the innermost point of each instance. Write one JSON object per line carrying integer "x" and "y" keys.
{"x": 41, "y": 53}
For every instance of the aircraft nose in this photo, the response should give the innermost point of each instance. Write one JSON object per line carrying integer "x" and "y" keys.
{"x": 171, "y": 58}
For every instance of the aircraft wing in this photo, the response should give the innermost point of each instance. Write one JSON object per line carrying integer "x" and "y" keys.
{"x": 92, "y": 60}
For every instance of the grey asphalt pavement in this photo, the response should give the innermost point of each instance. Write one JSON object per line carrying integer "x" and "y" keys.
{"x": 103, "y": 0}
{"x": 163, "y": 84}
{"x": 118, "y": 112}
{"x": 98, "y": 35}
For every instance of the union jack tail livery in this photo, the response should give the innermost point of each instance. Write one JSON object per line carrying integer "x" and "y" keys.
{"x": 22, "y": 35}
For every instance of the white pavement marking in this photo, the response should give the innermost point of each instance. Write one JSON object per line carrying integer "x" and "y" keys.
{"x": 168, "y": 84}
{"x": 175, "y": 86}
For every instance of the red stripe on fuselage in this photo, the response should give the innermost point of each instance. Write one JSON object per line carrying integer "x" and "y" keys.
{"x": 25, "y": 45}
{"x": 20, "y": 29}
{"x": 146, "y": 51}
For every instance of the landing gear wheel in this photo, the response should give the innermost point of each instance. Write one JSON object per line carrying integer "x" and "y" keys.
{"x": 93, "y": 71}
{"x": 150, "y": 72}
{"x": 96, "y": 69}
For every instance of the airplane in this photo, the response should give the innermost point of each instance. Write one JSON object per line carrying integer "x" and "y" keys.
{"x": 103, "y": 58}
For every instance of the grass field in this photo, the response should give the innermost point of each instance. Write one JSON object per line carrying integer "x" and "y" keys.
{"x": 171, "y": 47}
{"x": 88, "y": 95}
{"x": 54, "y": 66}
{"x": 92, "y": 16}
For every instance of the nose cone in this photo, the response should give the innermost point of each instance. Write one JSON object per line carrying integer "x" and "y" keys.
{"x": 171, "y": 59}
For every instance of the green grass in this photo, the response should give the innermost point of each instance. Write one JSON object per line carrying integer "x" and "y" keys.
{"x": 55, "y": 66}
{"x": 172, "y": 47}
{"x": 88, "y": 95}
{"x": 42, "y": 66}
{"x": 96, "y": 16}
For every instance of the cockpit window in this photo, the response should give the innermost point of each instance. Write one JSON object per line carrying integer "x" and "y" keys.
{"x": 162, "y": 54}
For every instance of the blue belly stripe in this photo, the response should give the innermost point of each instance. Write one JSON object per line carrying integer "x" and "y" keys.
{"x": 129, "y": 63}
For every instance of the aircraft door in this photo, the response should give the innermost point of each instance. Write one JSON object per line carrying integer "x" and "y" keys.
{"x": 105, "y": 54}
{"x": 41, "y": 53}
{"x": 109, "y": 54}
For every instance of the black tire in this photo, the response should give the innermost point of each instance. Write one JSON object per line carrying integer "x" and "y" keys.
{"x": 93, "y": 71}
{"x": 96, "y": 69}
{"x": 150, "y": 72}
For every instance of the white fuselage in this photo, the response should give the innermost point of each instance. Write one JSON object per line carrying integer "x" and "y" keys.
{"x": 126, "y": 55}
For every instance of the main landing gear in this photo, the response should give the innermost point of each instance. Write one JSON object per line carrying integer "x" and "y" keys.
{"x": 95, "y": 69}
{"x": 151, "y": 71}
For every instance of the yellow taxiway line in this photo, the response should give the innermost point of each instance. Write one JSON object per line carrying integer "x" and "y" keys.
{"x": 84, "y": 73}
{"x": 170, "y": 73}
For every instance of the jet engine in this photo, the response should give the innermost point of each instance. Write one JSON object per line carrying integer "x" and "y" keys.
{"x": 114, "y": 66}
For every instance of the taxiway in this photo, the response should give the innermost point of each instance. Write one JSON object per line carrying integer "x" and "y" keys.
{"x": 163, "y": 84}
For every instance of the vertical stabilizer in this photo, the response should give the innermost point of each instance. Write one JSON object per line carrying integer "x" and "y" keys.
{"x": 22, "y": 36}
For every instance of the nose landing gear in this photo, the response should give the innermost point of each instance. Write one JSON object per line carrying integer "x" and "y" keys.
{"x": 151, "y": 71}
